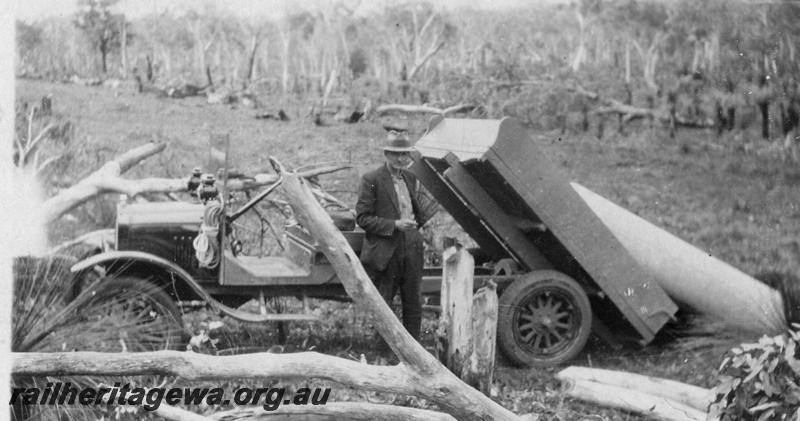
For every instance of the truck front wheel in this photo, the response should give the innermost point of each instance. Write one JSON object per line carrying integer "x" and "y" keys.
{"x": 544, "y": 319}
{"x": 142, "y": 315}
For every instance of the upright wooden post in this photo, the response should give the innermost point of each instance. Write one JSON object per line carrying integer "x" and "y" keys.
{"x": 468, "y": 325}
{"x": 455, "y": 327}
{"x": 484, "y": 335}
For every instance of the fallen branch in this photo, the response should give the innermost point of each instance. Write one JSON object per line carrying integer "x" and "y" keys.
{"x": 173, "y": 413}
{"x": 261, "y": 180}
{"x": 630, "y": 113}
{"x": 322, "y": 170}
{"x": 694, "y": 396}
{"x": 31, "y": 142}
{"x": 502, "y": 84}
{"x": 193, "y": 366}
{"x": 422, "y": 109}
{"x": 633, "y": 401}
{"x": 353, "y": 411}
{"x": 104, "y": 240}
{"x": 612, "y": 106}
{"x": 107, "y": 180}
{"x": 328, "y": 198}
{"x": 94, "y": 184}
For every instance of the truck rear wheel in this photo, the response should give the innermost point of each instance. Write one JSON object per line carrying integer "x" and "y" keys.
{"x": 544, "y": 319}
{"x": 142, "y": 316}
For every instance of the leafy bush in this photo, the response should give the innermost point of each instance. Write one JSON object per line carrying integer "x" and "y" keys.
{"x": 760, "y": 381}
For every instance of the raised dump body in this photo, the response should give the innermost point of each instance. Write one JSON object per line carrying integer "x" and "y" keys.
{"x": 513, "y": 201}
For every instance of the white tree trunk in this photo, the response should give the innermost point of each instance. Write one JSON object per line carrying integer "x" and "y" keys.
{"x": 686, "y": 394}
{"x": 455, "y": 325}
{"x": 580, "y": 52}
{"x": 633, "y": 401}
{"x": 691, "y": 276}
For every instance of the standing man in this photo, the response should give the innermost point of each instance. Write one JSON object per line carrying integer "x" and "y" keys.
{"x": 389, "y": 211}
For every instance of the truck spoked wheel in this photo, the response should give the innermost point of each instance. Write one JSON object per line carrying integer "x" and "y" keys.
{"x": 544, "y": 319}
{"x": 132, "y": 314}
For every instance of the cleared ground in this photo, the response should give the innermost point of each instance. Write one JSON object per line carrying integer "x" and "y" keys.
{"x": 731, "y": 196}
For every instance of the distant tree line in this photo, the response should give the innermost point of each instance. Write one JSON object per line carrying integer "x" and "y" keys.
{"x": 714, "y": 63}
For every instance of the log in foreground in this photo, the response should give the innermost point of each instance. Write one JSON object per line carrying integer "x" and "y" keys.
{"x": 633, "y": 401}
{"x": 693, "y": 396}
{"x": 174, "y": 413}
{"x": 331, "y": 411}
{"x": 690, "y": 276}
{"x": 338, "y": 411}
{"x": 429, "y": 379}
{"x": 192, "y": 366}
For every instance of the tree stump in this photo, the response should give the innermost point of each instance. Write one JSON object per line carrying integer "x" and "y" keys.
{"x": 467, "y": 330}
{"x": 484, "y": 338}
{"x": 455, "y": 326}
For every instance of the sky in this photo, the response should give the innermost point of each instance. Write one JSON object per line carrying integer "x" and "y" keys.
{"x": 32, "y": 10}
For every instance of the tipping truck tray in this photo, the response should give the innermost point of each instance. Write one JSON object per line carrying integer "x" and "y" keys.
{"x": 574, "y": 275}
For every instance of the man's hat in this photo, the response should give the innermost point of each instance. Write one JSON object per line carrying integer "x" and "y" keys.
{"x": 398, "y": 142}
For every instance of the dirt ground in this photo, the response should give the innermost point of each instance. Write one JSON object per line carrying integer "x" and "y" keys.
{"x": 732, "y": 196}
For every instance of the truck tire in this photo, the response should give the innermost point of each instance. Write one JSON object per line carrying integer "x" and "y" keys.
{"x": 142, "y": 316}
{"x": 544, "y": 319}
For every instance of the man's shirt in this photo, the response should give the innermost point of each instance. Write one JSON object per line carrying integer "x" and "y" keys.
{"x": 403, "y": 196}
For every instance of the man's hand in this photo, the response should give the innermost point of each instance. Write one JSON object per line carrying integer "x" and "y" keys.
{"x": 405, "y": 224}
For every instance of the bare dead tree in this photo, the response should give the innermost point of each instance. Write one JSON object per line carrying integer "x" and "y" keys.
{"x": 417, "y": 35}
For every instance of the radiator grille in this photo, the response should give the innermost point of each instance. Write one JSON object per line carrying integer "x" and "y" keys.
{"x": 184, "y": 252}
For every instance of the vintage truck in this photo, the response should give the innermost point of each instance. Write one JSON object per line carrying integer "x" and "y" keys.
{"x": 560, "y": 272}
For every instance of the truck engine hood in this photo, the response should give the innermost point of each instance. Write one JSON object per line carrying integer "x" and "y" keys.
{"x": 160, "y": 213}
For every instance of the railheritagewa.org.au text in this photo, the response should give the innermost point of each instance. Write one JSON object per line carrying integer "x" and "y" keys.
{"x": 58, "y": 393}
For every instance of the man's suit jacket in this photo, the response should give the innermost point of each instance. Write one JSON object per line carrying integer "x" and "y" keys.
{"x": 377, "y": 209}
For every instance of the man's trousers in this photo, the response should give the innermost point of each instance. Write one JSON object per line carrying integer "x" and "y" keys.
{"x": 404, "y": 273}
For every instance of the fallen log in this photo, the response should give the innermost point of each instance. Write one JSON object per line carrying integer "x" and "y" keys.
{"x": 633, "y": 401}
{"x": 692, "y": 277}
{"x": 104, "y": 240}
{"x": 174, "y": 413}
{"x": 422, "y": 109}
{"x": 96, "y": 183}
{"x": 690, "y": 395}
{"x": 629, "y": 112}
{"x": 346, "y": 411}
{"x": 352, "y": 411}
{"x": 505, "y": 84}
{"x": 107, "y": 180}
{"x": 269, "y": 115}
{"x": 193, "y": 366}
